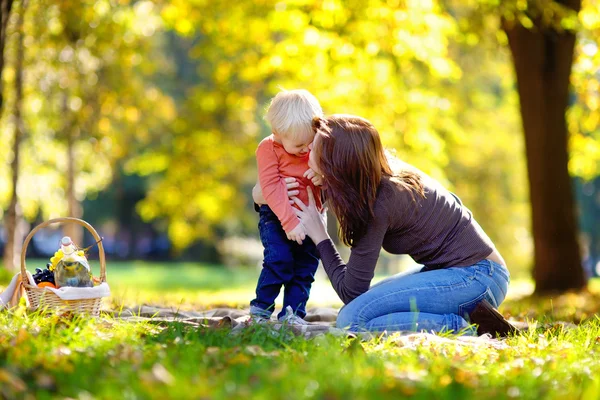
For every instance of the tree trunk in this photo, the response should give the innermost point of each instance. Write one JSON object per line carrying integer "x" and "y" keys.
{"x": 543, "y": 59}
{"x": 74, "y": 208}
{"x": 13, "y": 241}
{"x": 74, "y": 231}
{"x": 5, "y": 8}
{"x": 72, "y": 129}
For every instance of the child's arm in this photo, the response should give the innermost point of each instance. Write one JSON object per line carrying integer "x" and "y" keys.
{"x": 298, "y": 234}
{"x": 273, "y": 186}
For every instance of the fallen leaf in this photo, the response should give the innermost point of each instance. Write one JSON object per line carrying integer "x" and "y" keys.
{"x": 161, "y": 374}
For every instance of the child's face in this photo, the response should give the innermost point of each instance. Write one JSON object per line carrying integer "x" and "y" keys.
{"x": 297, "y": 147}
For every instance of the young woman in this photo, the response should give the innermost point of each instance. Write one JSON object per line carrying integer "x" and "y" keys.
{"x": 403, "y": 211}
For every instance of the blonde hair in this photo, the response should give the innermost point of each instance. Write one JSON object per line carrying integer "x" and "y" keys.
{"x": 291, "y": 112}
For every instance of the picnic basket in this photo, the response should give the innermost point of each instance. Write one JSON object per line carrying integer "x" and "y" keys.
{"x": 46, "y": 298}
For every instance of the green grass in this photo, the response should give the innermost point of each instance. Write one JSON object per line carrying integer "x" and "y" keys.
{"x": 50, "y": 357}
{"x": 179, "y": 276}
{"x": 46, "y": 356}
{"x": 181, "y": 285}
{"x": 192, "y": 286}
{"x": 155, "y": 276}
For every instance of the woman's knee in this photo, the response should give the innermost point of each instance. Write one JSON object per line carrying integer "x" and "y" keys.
{"x": 346, "y": 318}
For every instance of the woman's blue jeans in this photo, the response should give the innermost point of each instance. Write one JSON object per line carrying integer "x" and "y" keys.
{"x": 426, "y": 300}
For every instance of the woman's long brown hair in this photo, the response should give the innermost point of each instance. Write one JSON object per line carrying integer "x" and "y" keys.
{"x": 353, "y": 162}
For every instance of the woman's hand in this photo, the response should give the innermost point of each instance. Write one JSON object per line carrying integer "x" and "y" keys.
{"x": 290, "y": 183}
{"x": 312, "y": 220}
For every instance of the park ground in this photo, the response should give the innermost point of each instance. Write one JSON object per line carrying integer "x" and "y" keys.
{"x": 47, "y": 356}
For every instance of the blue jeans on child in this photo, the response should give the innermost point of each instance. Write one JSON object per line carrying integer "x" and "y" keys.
{"x": 286, "y": 263}
{"x": 426, "y": 300}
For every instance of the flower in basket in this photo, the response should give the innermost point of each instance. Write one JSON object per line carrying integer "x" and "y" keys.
{"x": 58, "y": 255}
{"x": 72, "y": 268}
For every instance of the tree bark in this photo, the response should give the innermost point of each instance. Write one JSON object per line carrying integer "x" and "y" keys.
{"x": 13, "y": 241}
{"x": 74, "y": 231}
{"x": 72, "y": 130}
{"x": 5, "y": 8}
{"x": 74, "y": 208}
{"x": 542, "y": 60}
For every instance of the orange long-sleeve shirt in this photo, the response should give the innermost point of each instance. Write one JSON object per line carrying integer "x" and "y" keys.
{"x": 275, "y": 164}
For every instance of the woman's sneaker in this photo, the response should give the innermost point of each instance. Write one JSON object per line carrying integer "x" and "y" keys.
{"x": 489, "y": 320}
{"x": 292, "y": 319}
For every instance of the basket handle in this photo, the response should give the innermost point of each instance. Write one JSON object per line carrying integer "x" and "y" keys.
{"x": 67, "y": 220}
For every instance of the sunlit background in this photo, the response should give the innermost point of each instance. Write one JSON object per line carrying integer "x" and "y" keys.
{"x": 153, "y": 110}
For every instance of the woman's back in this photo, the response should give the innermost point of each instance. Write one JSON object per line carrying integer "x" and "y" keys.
{"x": 436, "y": 229}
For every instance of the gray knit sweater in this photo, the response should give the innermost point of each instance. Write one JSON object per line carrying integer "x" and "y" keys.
{"x": 436, "y": 231}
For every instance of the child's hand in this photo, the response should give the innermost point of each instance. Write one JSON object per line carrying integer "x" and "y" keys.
{"x": 297, "y": 234}
{"x": 315, "y": 178}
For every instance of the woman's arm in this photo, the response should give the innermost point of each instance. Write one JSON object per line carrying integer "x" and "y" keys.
{"x": 354, "y": 278}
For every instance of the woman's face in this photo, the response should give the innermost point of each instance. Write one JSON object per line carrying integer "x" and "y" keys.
{"x": 312, "y": 157}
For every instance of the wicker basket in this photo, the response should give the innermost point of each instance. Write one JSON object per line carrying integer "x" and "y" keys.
{"x": 45, "y": 298}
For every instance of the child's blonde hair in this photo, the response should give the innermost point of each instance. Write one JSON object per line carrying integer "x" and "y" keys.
{"x": 291, "y": 112}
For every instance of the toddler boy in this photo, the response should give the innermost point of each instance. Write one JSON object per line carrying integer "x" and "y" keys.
{"x": 290, "y": 258}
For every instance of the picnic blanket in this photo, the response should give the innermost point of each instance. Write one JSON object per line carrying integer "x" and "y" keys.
{"x": 320, "y": 321}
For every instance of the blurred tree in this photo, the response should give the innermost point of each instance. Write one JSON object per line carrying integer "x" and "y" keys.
{"x": 583, "y": 121}
{"x": 542, "y": 43}
{"x": 87, "y": 85}
{"x": 5, "y": 10}
{"x": 72, "y": 27}
{"x": 13, "y": 244}
{"x": 426, "y": 74}
{"x": 486, "y": 158}
{"x": 392, "y": 62}
{"x": 541, "y": 39}
{"x": 583, "y": 116}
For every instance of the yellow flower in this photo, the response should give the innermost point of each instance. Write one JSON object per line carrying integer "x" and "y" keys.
{"x": 58, "y": 255}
